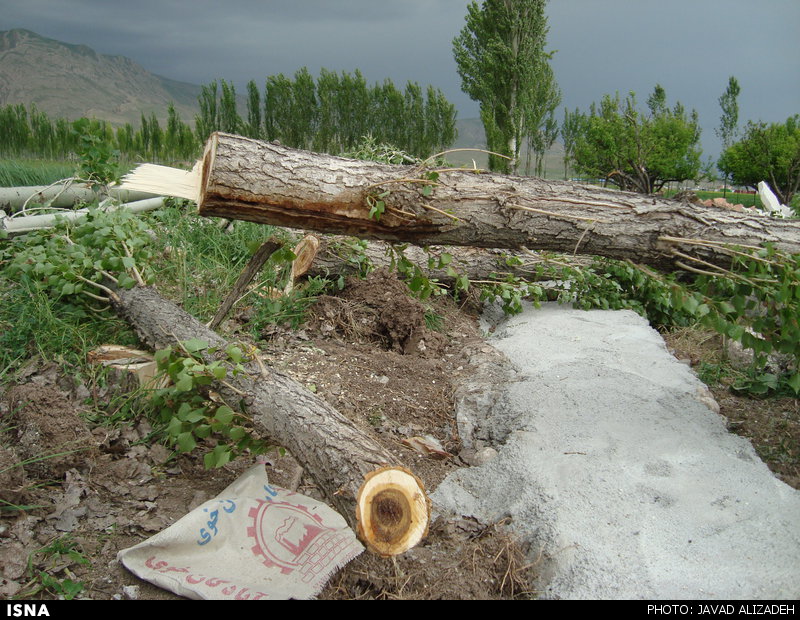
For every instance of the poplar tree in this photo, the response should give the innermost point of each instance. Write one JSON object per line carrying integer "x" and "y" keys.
{"x": 253, "y": 111}
{"x": 503, "y": 65}
{"x": 729, "y": 122}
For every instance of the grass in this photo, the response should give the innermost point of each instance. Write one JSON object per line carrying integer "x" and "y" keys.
{"x": 52, "y": 560}
{"x": 25, "y": 172}
{"x": 198, "y": 262}
{"x": 32, "y": 323}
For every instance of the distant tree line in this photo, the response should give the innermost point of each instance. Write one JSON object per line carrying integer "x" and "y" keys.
{"x": 28, "y": 131}
{"x": 332, "y": 113}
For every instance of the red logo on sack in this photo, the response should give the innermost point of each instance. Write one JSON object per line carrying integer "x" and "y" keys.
{"x": 299, "y": 542}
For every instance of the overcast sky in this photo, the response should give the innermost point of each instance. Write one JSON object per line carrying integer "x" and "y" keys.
{"x": 690, "y": 47}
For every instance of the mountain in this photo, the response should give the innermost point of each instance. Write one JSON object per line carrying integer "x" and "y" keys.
{"x": 71, "y": 81}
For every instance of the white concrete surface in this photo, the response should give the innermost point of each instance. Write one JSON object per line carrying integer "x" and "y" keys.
{"x": 614, "y": 467}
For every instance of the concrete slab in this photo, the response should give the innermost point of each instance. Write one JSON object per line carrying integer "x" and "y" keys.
{"x": 613, "y": 463}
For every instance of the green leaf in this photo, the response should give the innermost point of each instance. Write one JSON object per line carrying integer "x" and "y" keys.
{"x": 234, "y": 353}
{"x": 175, "y": 427}
{"x": 690, "y": 304}
{"x": 162, "y": 355}
{"x": 283, "y": 255}
{"x": 794, "y": 382}
{"x": 125, "y": 281}
{"x": 183, "y": 411}
{"x": 184, "y": 382}
{"x": 218, "y": 457}
{"x": 186, "y": 442}
{"x": 224, "y": 414}
{"x": 237, "y": 433}
{"x": 196, "y": 415}
{"x": 202, "y": 431}
{"x": 194, "y": 345}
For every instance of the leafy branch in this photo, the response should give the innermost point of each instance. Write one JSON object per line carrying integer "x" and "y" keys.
{"x": 192, "y": 412}
{"x": 85, "y": 259}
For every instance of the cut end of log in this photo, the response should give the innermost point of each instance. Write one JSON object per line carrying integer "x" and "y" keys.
{"x": 392, "y": 510}
{"x": 164, "y": 181}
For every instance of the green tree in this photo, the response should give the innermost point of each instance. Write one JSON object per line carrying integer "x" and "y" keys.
{"x": 229, "y": 119}
{"x": 253, "y": 129}
{"x": 638, "y": 151}
{"x": 503, "y": 65}
{"x": 304, "y": 110}
{"x": 729, "y": 121}
{"x": 767, "y": 152}
{"x": 207, "y": 121}
{"x": 571, "y": 128}
{"x": 156, "y": 138}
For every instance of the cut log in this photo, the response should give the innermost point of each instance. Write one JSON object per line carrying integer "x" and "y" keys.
{"x": 340, "y": 456}
{"x": 12, "y": 198}
{"x": 337, "y": 258}
{"x": 19, "y": 225}
{"x": 241, "y": 178}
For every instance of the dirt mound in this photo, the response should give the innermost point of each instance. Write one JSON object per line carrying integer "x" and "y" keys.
{"x": 50, "y": 437}
{"x": 379, "y": 309}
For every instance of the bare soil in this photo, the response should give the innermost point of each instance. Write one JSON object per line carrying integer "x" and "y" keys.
{"x": 76, "y": 488}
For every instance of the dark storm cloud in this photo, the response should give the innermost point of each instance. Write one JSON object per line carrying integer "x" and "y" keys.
{"x": 688, "y": 46}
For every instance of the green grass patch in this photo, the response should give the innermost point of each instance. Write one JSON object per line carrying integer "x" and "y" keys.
{"x": 197, "y": 262}
{"x": 31, "y": 323}
{"x": 25, "y": 172}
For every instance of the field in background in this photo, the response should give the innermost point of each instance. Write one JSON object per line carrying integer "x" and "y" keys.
{"x": 23, "y": 172}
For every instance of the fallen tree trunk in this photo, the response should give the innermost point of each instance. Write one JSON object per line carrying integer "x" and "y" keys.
{"x": 12, "y": 198}
{"x": 19, "y": 225}
{"x": 337, "y": 257}
{"x": 241, "y": 178}
{"x": 389, "y": 507}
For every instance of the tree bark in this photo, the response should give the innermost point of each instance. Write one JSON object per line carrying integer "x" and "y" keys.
{"x": 338, "y": 258}
{"x": 339, "y": 455}
{"x": 268, "y": 183}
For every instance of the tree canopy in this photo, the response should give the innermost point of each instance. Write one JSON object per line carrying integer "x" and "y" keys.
{"x": 503, "y": 65}
{"x": 638, "y": 151}
{"x": 333, "y": 113}
{"x": 767, "y": 152}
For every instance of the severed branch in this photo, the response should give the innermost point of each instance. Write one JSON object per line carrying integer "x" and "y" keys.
{"x": 253, "y": 267}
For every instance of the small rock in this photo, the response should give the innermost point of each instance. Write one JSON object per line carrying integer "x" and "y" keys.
{"x": 131, "y": 593}
{"x": 484, "y": 455}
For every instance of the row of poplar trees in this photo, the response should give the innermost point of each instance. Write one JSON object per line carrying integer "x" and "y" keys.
{"x": 28, "y": 131}
{"x": 332, "y": 113}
